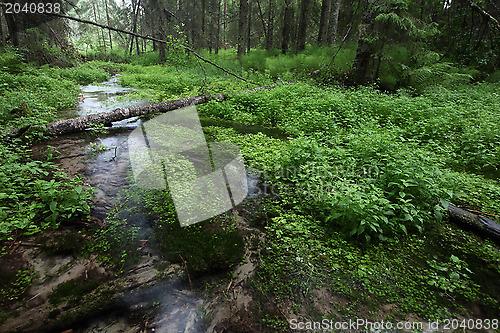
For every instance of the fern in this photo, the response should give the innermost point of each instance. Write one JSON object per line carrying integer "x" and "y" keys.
{"x": 441, "y": 73}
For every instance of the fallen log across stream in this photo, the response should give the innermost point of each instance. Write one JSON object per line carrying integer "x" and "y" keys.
{"x": 477, "y": 223}
{"x": 79, "y": 124}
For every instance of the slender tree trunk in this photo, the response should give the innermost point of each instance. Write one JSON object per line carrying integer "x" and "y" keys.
{"x": 270, "y": 25}
{"x": 134, "y": 23}
{"x": 224, "y": 22}
{"x": 96, "y": 9}
{"x": 241, "y": 27}
{"x": 249, "y": 25}
{"x": 261, "y": 15}
{"x": 203, "y": 19}
{"x": 137, "y": 43}
{"x": 302, "y": 32}
{"x": 2, "y": 34}
{"x": 334, "y": 22}
{"x": 109, "y": 31}
{"x": 287, "y": 22}
{"x": 211, "y": 26}
{"x": 217, "y": 37}
{"x": 323, "y": 21}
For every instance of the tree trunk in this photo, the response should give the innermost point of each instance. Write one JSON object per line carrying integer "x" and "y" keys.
{"x": 97, "y": 17}
{"x": 302, "y": 32}
{"x": 79, "y": 124}
{"x": 2, "y": 35}
{"x": 134, "y": 23}
{"x": 217, "y": 36}
{"x": 242, "y": 26}
{"x": 334, "y": 22}
{"x": 365, "y": 48}
{"x": 249, "y": 24}
{"x": 261, "y": 15}
{"x": 270, "y": 25}
{"x": 287, "y": 22}
{"x": 109, "y": 31}
{"x": 323, "y": 21}
{"x": 203, "y": 10}
{"x": 476, "y": 222}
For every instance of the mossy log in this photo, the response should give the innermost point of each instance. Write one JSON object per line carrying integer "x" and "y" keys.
{"x": 478, "y": 223}
{"x": 79, "y": 124}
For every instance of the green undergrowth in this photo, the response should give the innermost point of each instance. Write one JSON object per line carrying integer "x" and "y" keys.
{"x": 441, "y": 274}
{"x": 363, "y": 166}
{"x": 32, "y": 95}
{"x": 35, "y": 195}
{"x": 313, "y": 60}
{"x": 369, "y": 163}
{"x": 160, "y": 83}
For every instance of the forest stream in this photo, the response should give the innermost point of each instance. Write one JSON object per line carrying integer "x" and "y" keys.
{"x": 145, "y": 298}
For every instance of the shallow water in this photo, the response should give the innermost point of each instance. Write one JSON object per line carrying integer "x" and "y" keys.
{"x": 104, "y": 163}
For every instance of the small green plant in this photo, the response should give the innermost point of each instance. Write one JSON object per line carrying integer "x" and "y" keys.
{"x": 96, "y": 147}
{"x": 97, "y": 129}
{"x": 449, "y": 276}
{"x": 14, "y": 286}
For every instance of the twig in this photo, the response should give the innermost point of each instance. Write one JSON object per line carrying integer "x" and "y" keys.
{"x": 187, "y": 272}
{"x": 204, "y": 76}
{"x": 478, "y": 211}
{"x": 15, "y": 247}
{"x": 341, "y": 44}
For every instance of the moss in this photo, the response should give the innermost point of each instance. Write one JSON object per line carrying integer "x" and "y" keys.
{"x": 101, "y": 299}
{"x": 202, "y": 250}
{"x": 66, "y": 244}
{"x": 72, "y": 291}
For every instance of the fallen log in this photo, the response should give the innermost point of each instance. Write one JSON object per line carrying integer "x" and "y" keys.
{"x": 480, "y": 224}
{"x": 79, "y": 124}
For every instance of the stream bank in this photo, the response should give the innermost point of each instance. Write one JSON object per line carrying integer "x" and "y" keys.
{"x": 79, "y": 286}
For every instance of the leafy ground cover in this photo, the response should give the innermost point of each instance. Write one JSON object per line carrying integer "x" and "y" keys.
{"x": 354, "y": 189}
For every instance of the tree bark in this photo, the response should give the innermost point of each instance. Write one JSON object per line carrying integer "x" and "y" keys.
{"x": 287, "y": 22}
{"x": 2, "y": 35}
{"x": 217, "y": 36}
{"x": 323, "y": 21}
{"x": 249, "y": 25}
{"x": 301, "y": 35}
{"x": 334, "y": 22}
{"x": 109, "y": 31}
{"x": 203, "y": 10}
{"x": 365, "y": 48}
{"x": 270, "y": 25}
{"x": 476, "y": 222}
{"x": 241, "y": 27}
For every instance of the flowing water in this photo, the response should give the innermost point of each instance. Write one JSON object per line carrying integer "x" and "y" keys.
{"x": 104, "y": 163}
